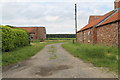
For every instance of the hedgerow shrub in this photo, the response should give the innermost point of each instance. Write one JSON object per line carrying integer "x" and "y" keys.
{"x": 13, "y": 38}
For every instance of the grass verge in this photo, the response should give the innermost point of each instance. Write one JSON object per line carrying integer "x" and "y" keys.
{"x": 100, "y": 56}
{"x": 52, "y": 51}
{"x": 23, "y": 53}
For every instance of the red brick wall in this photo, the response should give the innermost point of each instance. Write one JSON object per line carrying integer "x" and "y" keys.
{"x": 108, "y": 34}
{"x": 41, "y": 33}
{"x": 104, "y": 35}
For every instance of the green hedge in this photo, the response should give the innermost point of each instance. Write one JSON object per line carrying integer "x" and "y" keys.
{"x": 13, "y": 38}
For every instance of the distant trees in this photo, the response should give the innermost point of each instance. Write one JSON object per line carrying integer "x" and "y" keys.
{"x": 60, "y": 36}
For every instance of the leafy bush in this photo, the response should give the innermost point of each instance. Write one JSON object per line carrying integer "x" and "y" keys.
{"x": 9, "y": 26}
{"x": 13, "y": 38}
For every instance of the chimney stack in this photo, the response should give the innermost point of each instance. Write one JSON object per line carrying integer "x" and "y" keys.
{"x": 116, "y": 4}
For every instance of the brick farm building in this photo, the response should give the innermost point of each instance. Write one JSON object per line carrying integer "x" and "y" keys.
{"x": 35, "y": 32}
{"x": 103, "y": 29}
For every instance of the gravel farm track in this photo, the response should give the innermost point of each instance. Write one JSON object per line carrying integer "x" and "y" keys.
{"x": 53, "y": 61}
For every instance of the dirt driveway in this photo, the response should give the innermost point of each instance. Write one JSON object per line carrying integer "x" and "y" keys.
{"x": 55, "y": 62}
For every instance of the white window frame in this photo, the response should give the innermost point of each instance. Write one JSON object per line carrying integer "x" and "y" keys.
{"x": 32, "y": 36}
{"x": 89, "y": 34}
{"x": 81, "y": 37}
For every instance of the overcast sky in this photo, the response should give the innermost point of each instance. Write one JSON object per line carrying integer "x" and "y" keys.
{"x": 56, "y": 15}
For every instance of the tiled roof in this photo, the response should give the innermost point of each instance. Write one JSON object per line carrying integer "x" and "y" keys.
{"x": 109, "y": 16}
{"x": 112, "y": 18}
{"x": 93, "y": 17}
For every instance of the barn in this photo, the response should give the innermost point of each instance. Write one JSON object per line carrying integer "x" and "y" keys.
{"x": 35, "y": 32}
{"x": 103, "y": 29}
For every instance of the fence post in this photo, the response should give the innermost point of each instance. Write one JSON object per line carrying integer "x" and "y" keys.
{"x": 73, "y": 41}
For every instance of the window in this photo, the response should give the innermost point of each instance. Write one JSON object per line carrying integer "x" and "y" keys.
{"x": 89, "y": 33}
{"x": 31, "y": 36}
{"x": 81, "y": 37}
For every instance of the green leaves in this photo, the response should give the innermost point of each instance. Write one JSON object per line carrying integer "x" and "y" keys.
{"x": 13, "y": 38}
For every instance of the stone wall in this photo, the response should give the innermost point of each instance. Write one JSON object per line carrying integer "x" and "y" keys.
{"x": 108, "y": 34}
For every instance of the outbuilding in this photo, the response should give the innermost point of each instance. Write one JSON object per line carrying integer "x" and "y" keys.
{"x": 35, "y": 32}
{"x": 102, "y": 29}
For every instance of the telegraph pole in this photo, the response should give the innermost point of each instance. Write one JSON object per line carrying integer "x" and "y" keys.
{"x": 76, "y": 21}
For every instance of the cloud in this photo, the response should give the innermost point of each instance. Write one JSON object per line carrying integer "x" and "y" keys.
{"x": 57, "y": 17}
{"x": 57, "y": 1}
{"x": 51, "y": 18}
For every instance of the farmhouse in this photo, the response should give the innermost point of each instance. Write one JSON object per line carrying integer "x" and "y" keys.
{"x": 103, "y": 29}
{"x": 35, "y": 32}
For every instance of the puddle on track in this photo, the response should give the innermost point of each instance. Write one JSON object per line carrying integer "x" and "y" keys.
{"x": 47, "y": 71}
